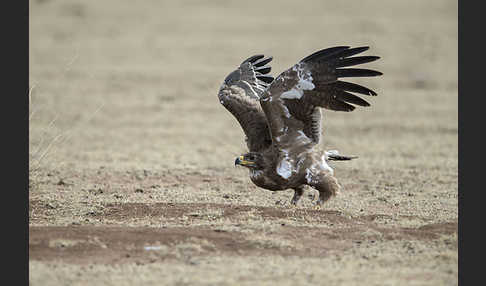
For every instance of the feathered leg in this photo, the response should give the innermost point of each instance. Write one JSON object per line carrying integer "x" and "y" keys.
{"x": 326, "y": 185}
{"x": 298, "y": 192}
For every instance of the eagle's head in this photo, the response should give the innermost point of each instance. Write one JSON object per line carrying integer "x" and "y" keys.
{"x": 251, "y": 160}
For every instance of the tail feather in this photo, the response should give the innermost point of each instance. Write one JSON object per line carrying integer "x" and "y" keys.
{"x": 341, "y": 157}
{"x": 334, "y": 155}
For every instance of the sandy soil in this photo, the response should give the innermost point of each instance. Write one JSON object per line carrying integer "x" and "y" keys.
{"x": 132, "y": 179}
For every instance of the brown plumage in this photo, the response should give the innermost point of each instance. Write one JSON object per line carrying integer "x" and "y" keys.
{"x": 281, "y": 117}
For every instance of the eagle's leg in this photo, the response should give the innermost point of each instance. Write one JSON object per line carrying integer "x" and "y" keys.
{"x": 326, "y": 185}
{"x": 298, "y": 192}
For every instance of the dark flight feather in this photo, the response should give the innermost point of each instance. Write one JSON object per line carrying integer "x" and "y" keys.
{"x": 262, "y": 62}
{"x": 351, "y": 52}
{"x": 356, "y": 72}
{"x": 346, "y": 62}
{"x": 352, "y": 87}
{"x": 323, "y": 54}
{"x": 350, "y": 98}
{"x": 253, "y": 59}
{"x": 263, "y": 70}
{"x": 338, "y": 105}
{"x": 265, "y": 78}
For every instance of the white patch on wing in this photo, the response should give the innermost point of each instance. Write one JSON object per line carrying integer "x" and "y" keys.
{"x": 284, "y": 168}
{"x": 305, "y": 83}
{"x": 293, "y": 93}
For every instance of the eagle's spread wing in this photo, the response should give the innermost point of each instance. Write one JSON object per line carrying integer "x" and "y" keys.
{"x": 291, "y": 102}
{"x": 240, "y": 94}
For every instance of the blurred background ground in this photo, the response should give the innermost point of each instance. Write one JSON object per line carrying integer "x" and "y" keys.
{"x": 126, "y": 135}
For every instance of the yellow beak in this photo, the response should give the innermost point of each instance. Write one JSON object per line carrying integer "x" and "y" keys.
{"x": 241, "y": 161}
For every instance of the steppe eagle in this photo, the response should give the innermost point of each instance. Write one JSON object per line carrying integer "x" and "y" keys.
{"x": 281, "y": 117}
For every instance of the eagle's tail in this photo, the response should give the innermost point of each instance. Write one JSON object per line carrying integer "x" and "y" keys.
{"x": 334, "y": 155}
{"x": 341, "y": 157}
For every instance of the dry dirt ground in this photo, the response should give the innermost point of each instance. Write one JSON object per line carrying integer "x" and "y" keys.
{"x": 132, "y": 179}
